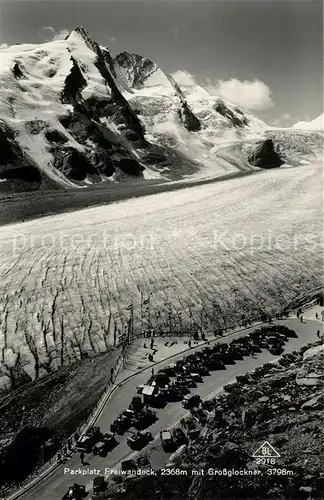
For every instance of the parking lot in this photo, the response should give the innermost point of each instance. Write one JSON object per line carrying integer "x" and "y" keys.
{"x": 168, "y": 417}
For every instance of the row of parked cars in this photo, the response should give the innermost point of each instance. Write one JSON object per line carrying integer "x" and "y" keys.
{"x": 192, "y": 368}
{"x": 173, "y": 383}
{"x": 96, "y": 442}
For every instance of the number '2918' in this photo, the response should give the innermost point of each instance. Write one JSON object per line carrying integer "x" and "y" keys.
{"x": 266, "y": 461}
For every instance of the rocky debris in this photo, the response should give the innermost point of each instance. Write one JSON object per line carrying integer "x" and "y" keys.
{"x": 309, "y": 353}
{"x": 264, "y": 156}
{"x": 313, "y": 403}
{"x": 223, "y": 110}
{"x": 35, "y": 127}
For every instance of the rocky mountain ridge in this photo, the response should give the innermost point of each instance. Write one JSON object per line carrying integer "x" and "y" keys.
{"x": 72, "y": 115}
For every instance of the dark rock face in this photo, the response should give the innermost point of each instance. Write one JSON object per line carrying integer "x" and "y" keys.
{"x": 23, "y": 453}
{"x": 15, "y": 165}
{"x": 74, "y": 84}
{"x": 55, "y": 136}
{"x": 141, "y": 67}
{"x": 132, "y": 136}
{"x": 17, "y": 71}
{"x": 189, "y": 120}
{"x": 155, "y": 157}
{"x": 265, "y": 156}
{"x": 223, "y": 110}
{"x": 75, "y": 165}
{"x": 124, "y": 112}
{"x": 26, "y": 174}
{"x": 103, "y": 162}
{"x": 130, "y": 166}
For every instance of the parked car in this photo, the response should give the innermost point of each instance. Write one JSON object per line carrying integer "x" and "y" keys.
{"x": 139, "y": 439}
{"x": 216, "y": 364}
{"x": 86, "y": 442}
{"x": 103, "y": 447}
{"x": 137, "y": 404}
{"x": 276, "y": 350}
{"x": 75, "y": 492}
{"x": 202, "y": 370}
{"x": 196, "y": 377}
{"x": 144, "y": 419}
{"x": 123, "y": 422}
{"x": 169, "y": 371}
{"x": 99, "y": 485}
{"x": 166, "y": 440}
{"x": 191, "y": 401}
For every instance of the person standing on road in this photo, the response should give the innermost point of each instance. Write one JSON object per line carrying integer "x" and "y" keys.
{"x": 82, "y": 458}
{"x": 316, "y": 315}
{"x": 301, "y": 319}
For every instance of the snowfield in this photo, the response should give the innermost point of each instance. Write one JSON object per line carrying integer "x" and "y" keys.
{"x": 237, "y": 247}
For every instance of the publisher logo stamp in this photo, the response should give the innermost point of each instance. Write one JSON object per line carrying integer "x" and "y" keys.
{"x": 266, "y": 454}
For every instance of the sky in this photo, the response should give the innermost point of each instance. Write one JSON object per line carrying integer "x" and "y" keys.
{"x": 266, "y": 55}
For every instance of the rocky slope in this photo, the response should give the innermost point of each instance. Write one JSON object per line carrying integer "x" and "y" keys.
{"x": 279, "y": 403}
{"x": 72, "y": 115}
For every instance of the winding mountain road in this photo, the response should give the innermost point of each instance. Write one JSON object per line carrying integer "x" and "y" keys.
{"x": 56, "y": 484}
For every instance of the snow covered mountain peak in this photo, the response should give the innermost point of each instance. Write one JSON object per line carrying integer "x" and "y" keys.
{"x": 316, "y": 124}
{"x": 72, "y": 115}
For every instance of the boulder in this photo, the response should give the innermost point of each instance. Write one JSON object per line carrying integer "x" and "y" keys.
{"x": 264, "y": 156}
{"x": 132, "y": 136}
{"x": 313, "y": 403}
{"x": 130, "y": 166}
{"x": 53, "y": 135}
